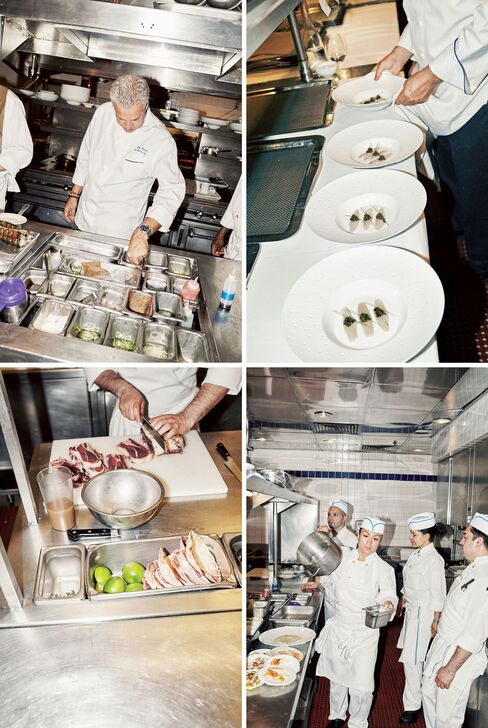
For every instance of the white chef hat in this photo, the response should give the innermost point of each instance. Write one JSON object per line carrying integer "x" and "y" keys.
{"x": 342, "y": 505}
{"x": 373, "y": 525}
{"x": 421, "y": 521}
{"x": 480, "y": 522}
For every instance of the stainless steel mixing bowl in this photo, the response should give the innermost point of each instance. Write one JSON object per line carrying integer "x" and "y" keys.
{"x": 123, "y": 498}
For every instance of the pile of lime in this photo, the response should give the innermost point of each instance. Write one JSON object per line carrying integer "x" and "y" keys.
{"x": 103, "y": 580}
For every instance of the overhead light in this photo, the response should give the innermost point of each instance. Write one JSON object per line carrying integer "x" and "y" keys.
{"x": 441, "y": 421}
{"x": 418, "y": 449}
{"x": 328, "y": 442}
{"x": 322, "y": 413}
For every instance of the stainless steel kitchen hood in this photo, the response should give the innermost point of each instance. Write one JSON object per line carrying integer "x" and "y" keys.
{"x": 200, "y": 41}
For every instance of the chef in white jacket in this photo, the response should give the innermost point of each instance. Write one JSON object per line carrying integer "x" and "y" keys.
{"x": 348, "y": 648}
{"x": 448, "y": 93}
{"x": 125, "y": 149}
{"x": 16, "y": 142}
{"x": 168, "y": 395}
{"x": 457, "y": 655}
{"x": 423, "y": 596}
{"x": 229, "y": 246}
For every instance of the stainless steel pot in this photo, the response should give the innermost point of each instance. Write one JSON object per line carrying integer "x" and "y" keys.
{"x": 319, "y": 554}
{"x": 377, "y": 616}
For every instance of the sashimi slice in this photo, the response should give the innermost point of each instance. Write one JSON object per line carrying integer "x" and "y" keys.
{"x": 204, "y": 557}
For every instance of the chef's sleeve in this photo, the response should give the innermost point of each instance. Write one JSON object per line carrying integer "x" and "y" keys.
{"x": 475, "y": 631}
{"x": 225, "y": 377}
{"x": 405, "y": 40}
{"x": 17, "y": 148}
{"x": 92, "y": 373}
{"x": 387, "y": 586}
{"x": 437, "y": 588}
{"x": 464, "y": 62}
{"x": 227, "y": 220}
{"x": 171, "y": 185}
{"x": 81, "y": 169}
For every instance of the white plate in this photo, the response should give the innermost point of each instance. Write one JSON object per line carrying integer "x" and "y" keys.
{"x": 297, "y": 654}
{"x": 257, "y": 662}
{"x": 266, "y": 653}
{"x": 394, "y": 139}
{"x": 287, "y": 676}
{"x": 358, "y": 90}
{"x": 215, "y": 122}
{"x": 286, "y": 661}
{"x": 258, "y": 679}
{"x": 398, "y": 196}
{"x": 407, "y": 287}
{"x": 47, "y": 96}
{"x": 13, "y": 218}
{"x": 301, "y": 635}
{"x": 73, "y": 103}
{"x": 26, "y": 92}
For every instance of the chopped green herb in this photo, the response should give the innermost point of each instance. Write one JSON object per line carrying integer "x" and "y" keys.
{"x": 354, "y": 218}
{"x": 379, "y": 312}
{"x": 364, "y": 317}
{"x": 124, "y": 344}
{"x": 349, "y": 321}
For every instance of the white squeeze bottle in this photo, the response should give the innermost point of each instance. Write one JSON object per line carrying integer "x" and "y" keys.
{"x": 228, "y": 292}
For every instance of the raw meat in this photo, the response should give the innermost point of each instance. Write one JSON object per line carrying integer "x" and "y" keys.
{"x": 114, "y": 461}
{"x": 151, "y": 443}
{"x": 174, "y": 444}
{"x": 90, "y": 459}
{"x": 135, "y": 450}
{"x": 78, "y": 474}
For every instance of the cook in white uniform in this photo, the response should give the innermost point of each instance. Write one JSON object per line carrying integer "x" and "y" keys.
{"x": 457, "y": 655}
{"x": 348, "y": 648}
{"x": 125, "y": 149}
{"x": 16, "y": 142}
{"x": 170, "y": 396}
{"x": 231, "y": 222}
{"x": 448, "y": 93}
{"x": 423, "y": 596}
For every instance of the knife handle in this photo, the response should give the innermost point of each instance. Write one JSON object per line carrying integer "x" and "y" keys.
{"x": 75, "y": 534}
{"x": 222, "y": 450}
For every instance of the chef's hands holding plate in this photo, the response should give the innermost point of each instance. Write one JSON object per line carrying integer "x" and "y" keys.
{"x": 393, "y": 62}
{"x": 418, "y": 88}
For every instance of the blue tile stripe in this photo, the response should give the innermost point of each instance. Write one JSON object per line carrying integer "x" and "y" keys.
{"x": 351, "y": 475}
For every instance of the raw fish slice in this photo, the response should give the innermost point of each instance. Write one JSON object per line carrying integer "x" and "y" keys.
{"x": 149, "y": 577}
{"x": 164, "y": 556}
{"x": 382, "y": 319}
{"x": 368, "y": 217}
{"x": 186, "y": 545}
{"x": 354, "y": 220}
{"x": 367, "y": 324}
{"x": 165, "y": 573}
{"x": 219, "y": 556}
{"x": 184, "y": 568}
{"x": 175, "y": 563}
{"x": 352, "y": 330}
{"x": 204, "y": 557}
{"x": 367, "y": 155}
{"x": 379, "y": 217}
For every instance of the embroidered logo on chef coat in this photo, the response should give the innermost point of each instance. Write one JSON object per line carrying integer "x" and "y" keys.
{"x": 137, "y": 155}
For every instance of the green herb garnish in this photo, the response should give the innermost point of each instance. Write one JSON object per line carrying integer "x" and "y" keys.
{"x": 379, "y": 312}
{"x": 364, "y": 317}
{"x": 349, "y": 321}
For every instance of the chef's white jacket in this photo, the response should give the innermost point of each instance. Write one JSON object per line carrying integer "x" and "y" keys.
{"x": 232, "y": 219}
{"x": 17, "y": 146}
{"x": 452, "y": 38}
{"x": 117, "y": 170}
{"x": 167, "y": 390}
{"x": 346, "y": 538}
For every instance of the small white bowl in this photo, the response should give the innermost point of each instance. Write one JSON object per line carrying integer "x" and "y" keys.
{"x": 69, "y": 92}
{"x": 26, "y": 92}
{"x": 73, "y": 103}
{"x": 325, "y": 69}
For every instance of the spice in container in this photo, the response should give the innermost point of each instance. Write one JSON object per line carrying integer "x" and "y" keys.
{"x": 190, "y": 290}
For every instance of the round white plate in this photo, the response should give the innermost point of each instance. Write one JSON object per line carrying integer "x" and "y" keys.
{"x": 266, "y": 653}
{"x": 400, "y": 282}
{"x": 286, "y": 661}
{"x": 257, "y": 662}
{"x": 396, "y": 196}
{"x": 13, "y": 218}
{"x": 256, "y": 678}
{"x": 297, "y": 654}
{"x": 274, "y": 637}
{"x": 215, "y": 122}
{"x": 359, "y": 90}
{"x": 364, "y": 145}
{"x": 73, "y": 103}
{"x": 26, "y": 92}
{"x": 278, "y": 676}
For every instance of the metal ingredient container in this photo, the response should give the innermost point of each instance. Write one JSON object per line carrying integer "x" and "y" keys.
{"x": 116, "y": 555}
{"x": 52, "y": 317}
{"x": 33, "y": 280}
{"x": 233, "y": 547}
{"x": 319, "y": 554}
{"x": 83, "y": 290}
{"x": 87, "y": 246}
{"x": 169, "y": 306}
{"x": 156, "y": 282}
{"x": 192, "y": 346}
{"x": 377, "y": 616}
{"x": 112, "y": 298}
{"x": 126, "y": 261}
{"x": 180, "y": 266}
{"x": 159, "y": 341}
{"x": 60, "y": 575}
{"x": 177, "y": 283}
{"x": 301, "y": 615}
{"x": 122, "y": 333}
{"x": 140, "y": 303}
{"x": 156, "y": 260}
{"x": 89, "y": 324}
{"x": 58, "y": 286}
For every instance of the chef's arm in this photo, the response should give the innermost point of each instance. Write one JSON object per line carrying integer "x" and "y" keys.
{"x": 171, "y": 187}
{"x": 396, "y": 59}
{"x": 207, "y": 397}
{"x": 447, "y": 673}
{"x": 17, "y": 147}
{"x": 435, "y": 623}
{"x": 387, "y": 588}
{"x": 132, "y": 403}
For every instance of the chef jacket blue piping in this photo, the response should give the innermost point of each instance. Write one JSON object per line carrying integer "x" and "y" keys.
{"x": 465, "y": 75}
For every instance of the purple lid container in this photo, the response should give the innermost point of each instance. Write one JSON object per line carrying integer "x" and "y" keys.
{"x": 12, "y": 292}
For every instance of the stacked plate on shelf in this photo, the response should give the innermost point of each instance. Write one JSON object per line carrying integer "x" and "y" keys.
{"x": 189, "y": 116}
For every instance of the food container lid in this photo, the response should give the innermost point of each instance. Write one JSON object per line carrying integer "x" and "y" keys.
{"x": 12, "y": 292}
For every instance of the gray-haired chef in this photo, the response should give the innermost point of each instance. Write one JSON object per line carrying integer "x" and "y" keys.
{"x": 457, "y": 655}
{"x": 423, "y": 596}
{"x": 15, "y": 142}
{"x": 348, "y": 648}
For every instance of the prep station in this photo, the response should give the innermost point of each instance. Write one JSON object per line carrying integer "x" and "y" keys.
{"x": 45, "y": 49}
{"x": 390, "y": 443}
{"x": 72, "y": 655}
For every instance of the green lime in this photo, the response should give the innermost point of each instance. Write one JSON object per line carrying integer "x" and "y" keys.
{"x": 133, "y": 572}
{"x": 114, "y": 585}
{"x": 99, "y": 587}
{"x": 92, "y": 571}
{"x": 101, "y": 574}
{"x": 134, "y": 586}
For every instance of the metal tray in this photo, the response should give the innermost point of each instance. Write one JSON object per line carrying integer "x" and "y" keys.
{"x": 82, "y": 245}
{"x": 192, "y": 346}
{"x": 112, "y": 298}
{"x": 10, "y": 255}
{"x": 57, "y": 285}
{"x": 124, "y": 328}
{"x": 116, "y": 555}
{"x": 54, "y": 306}
{"x": 156, "y": 260}
{"x": 161, "y": 278}
{"x": 168, "y": 306}
{"x": 233, "y": 548}
{"x": 83, "y": 290}
{"x": 131, "y": 312}
{"x": 179, "y": 265}
{"x": 275, "y": 209}
{"x": 89, "y": 318}
{"x": 300, "y": 615}
{"x": 117, "y": 274}
{"x": 60, "y": 575}
{"x": 157, "y": 337}
{"x": 33, "y": 279}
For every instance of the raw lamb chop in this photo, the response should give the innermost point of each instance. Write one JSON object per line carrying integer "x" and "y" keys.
{"x": 174, "y": 444}
{"x": 136, "y": 450}
{"x": 149, "y": 440}
{"x": 78, "y": 474}
{"x": 114, "y": 461}
{"x": 89, "y": 459}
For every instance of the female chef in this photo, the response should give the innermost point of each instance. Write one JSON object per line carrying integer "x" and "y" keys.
{"x": 348, "y": 648}
{"x": 424, "y": 593}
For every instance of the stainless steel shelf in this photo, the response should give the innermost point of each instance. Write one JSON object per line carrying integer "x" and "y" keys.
{"x": 263, "y": 17}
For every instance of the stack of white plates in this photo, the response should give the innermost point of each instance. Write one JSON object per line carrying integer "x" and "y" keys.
{"x": 47, "y": 96}
{"x": 189, "y": 116}
{"x": 236, "y": 126}
{"x": 215, "y": 123}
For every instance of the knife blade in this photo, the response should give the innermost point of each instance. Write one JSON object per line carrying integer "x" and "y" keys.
{"x": 154, "y": 433}
{"x": 228, "y": 461}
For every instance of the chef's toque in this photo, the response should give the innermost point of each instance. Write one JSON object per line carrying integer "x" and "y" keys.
{"x": 421, "y": 521}
{"x": 342, "y": 505}
{"x": 373, "y": 525}
{"x": 480, "y": 522}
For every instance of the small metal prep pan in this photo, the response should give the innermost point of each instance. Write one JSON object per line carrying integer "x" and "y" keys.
{"x": 84, "y": 292}
{"x": 60, "y": 575}
{"x": 58, "y": 286}
{"x": 233, "y": 547}
{"x": 177, "y": 283}
{"x": 156, "y": 282}
{"x": 182, "y": 266}
{"x": 115, "y": 555}
{"x": 112, "y": 298}
{"x": 60, "y": 313}
{"x": 89, "y": 324}
{"x": 114, "y": 273}
{"x": 192, "y": 346}
{"x": 169, "y": 306}
{"x": 158, "y": 341}
{"x": 33, "y": 279}
{"x": 135, "y": 300}
{"x": 127, "y": 262}
{"x": 123, "y": 333}
{"x": 81, "y": 245}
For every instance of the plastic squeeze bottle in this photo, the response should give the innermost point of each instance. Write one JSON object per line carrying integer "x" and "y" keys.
{"x": 228, "y": 292}
{"x": 190, "y": 290}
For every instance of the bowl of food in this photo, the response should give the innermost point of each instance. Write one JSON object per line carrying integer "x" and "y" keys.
{"x": 123, "y": 498}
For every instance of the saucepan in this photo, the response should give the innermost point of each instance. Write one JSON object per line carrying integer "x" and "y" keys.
{"x": 319, "y": 554}
{"x": 12, "y": 219}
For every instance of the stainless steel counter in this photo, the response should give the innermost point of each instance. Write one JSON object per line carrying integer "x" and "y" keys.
{"x": 223, "y": 330}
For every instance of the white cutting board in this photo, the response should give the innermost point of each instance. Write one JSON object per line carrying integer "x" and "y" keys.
{"x": 190, "y": 473}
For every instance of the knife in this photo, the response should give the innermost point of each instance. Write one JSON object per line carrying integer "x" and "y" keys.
{"x": 154, "y": 433}
{"x": 228, "y": 461}
{"x": 76, "y": 534}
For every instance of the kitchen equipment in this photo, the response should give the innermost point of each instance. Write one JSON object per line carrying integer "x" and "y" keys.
{"x": 297, "y": 615}
{"x": 154, "y": 433}
{"x": 224, "y": 4}
{"x": 287, "y": 636}
{"x": 228, "y": 461}
{"x": 52, "y": 317}
{"x": 319, "y": 554}
{"x": 278, "y": 477}
{"x": 89, "y": 324}
{"x": 13, "y": 219}
{"x": 13, "y": 300}
{"x": 60, "y": 575}
{"x": 368, "y": 94}
{"x": 56, "y": 486}
{"x": 192, "y": 346}
{"x": 233, "y": 547}
{"x": 78, "y": 534}
{"x": 158, "y": 341}
{"x": 69, "y": 92}
{"x": 377, "y": 616}
{"x": 123, "y": 498}
{"x": 236, "y": 126}
{"x": 216, "y": 123}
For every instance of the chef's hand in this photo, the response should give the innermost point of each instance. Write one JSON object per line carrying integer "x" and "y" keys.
{"x": 393, "y": 62}
{"x": 433, "y": 628}
{"x": 70, "y": 209}
{"x": 310, "y": 586}
{"x": 219, "y": 242}
{"x": 324, "y": 528}
{"x": 170, "y": 425}
{"x": 418, "y": 88}
{"x": 132, "y": 403}
{"x": 444, "y": 677}
{"x": 388, "y": 605}
{"x": 401, "y": 607}
{"x": 138, "y": 247}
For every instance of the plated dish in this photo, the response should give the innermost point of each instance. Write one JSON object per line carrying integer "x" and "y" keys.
{"x": 368, "y": 94}
{"x": 287, "y": 636}
{"x": 284, "y": 661}
{"x": 373, "y": 303}
{"x": 257, "y": 662}
{"x": 278, "y": 676}
{"x": 374, "y": 144}
{"x": 297, "y": 654}
{"x": 366, "y": 206}
{"x": 254, "y": 679}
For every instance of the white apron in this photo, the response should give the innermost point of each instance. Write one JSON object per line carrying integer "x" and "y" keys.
{"x": 346, "y": 538}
